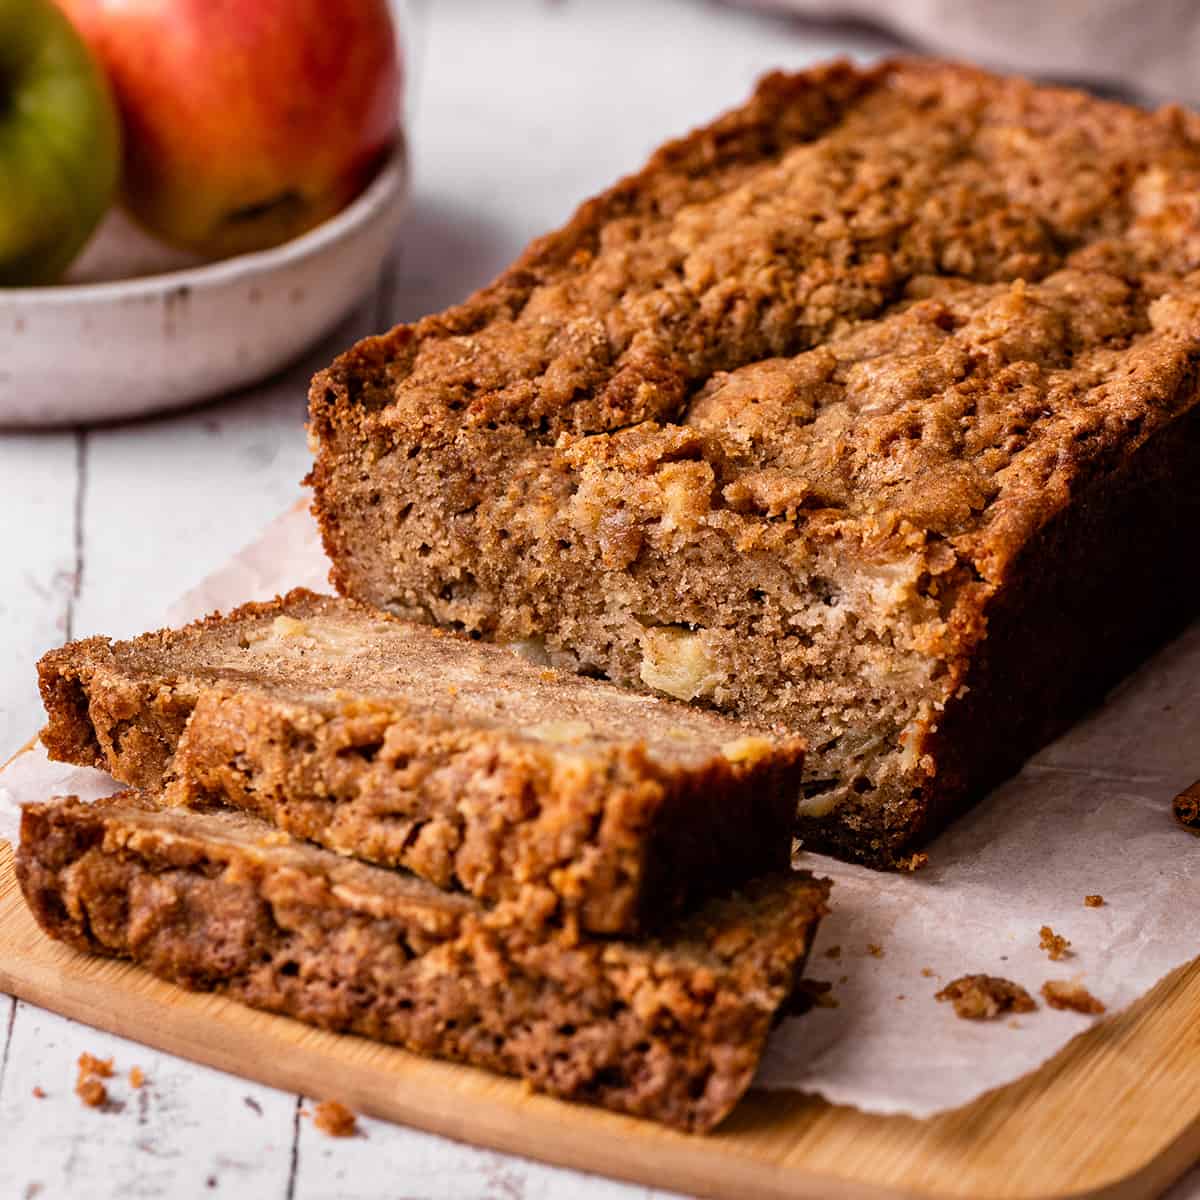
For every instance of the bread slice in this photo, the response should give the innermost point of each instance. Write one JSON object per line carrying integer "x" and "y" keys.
{"x": 870, "y": 408}
{"x": 406, "y": 746}
{"x": 670, "y": 1029}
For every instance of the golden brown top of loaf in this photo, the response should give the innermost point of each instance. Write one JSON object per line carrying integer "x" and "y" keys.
{"x": 899, "y": 305}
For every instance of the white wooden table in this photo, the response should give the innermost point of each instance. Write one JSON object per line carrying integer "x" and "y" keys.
{"x": 517, "y": 110}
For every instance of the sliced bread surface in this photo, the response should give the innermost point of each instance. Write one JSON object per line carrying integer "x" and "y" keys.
{"x": 409, "y": 746}
{"x": 669, "y": 1028}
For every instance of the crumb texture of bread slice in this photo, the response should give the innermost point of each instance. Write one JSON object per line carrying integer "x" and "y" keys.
{"x": 407, "y": 746}
{"x": 868, "y": 408}
{"x": 668, "y": 1028}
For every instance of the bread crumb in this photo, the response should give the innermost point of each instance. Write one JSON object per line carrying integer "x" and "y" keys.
{"x": 874, "y": 951}
{"x": 38, "y": 1094}
{"x": 982, "y": 997}
{"x": 914, "y": 862}
{"x": 90, "y": 1065}
{"x": 1094, "y": 901}
{"x": 834, "y": 952}
{"x": 1187, "y": 807}
{"x": 928, "y": 972}
{"x": 1071, "y": 994}
{"x": 1054, "y": 944}
{"x": 136, "y": 1078}
{"x": 812, "y": 993}
{"x": 91, "y": 1070}
{"x": 334, "y": 1119}
{"x": 91, "y": 1091}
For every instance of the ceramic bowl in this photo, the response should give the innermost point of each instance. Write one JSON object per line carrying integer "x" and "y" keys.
{"x": 103, "y": 346}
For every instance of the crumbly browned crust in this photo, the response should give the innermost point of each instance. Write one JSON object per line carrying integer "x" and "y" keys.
{"x": 670, "y": 1028}
{"x": 984, "y": 997}
{"x": 870, "y": 407}
{"x": 1070, "y": 994}
{"x": 407, "y": 746}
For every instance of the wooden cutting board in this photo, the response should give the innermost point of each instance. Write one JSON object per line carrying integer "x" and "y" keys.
{"x": 1115, "y": 1115}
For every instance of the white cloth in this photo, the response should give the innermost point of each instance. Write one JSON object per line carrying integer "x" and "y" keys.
{"x": 1150, "y": 48}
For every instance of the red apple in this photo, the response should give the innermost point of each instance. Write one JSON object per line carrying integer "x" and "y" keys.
{"x": 246, "y": 121}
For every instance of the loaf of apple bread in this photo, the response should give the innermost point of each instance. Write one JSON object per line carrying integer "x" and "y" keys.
{"x": 870, "y": 408}
{"x": 669, "y": 1028}
{"x": 408, "y": 746}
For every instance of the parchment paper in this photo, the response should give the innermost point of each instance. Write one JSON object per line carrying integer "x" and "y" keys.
{"x": 1088, "y": 815}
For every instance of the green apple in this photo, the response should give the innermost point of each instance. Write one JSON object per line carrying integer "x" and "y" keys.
{"x": 60, "y": 144}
